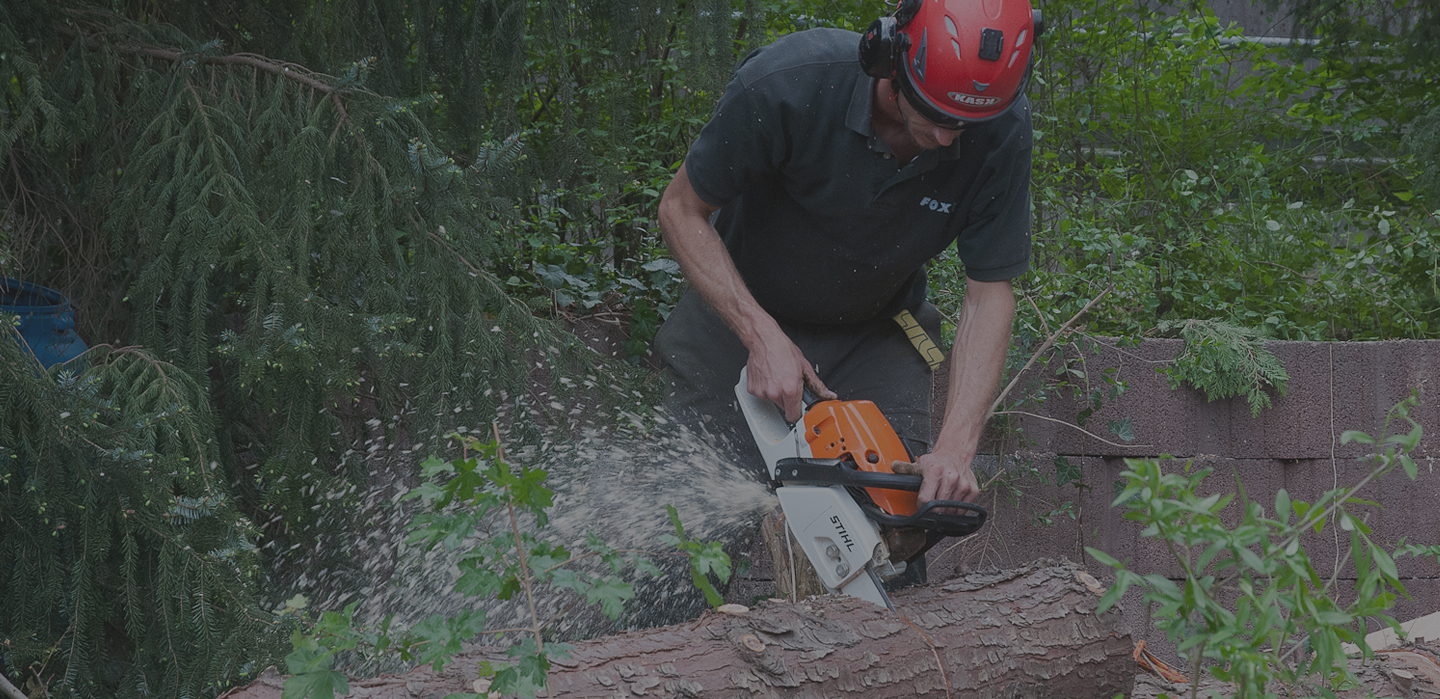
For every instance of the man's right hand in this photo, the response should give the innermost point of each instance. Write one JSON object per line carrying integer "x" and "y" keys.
{"x": 778, "y": 372}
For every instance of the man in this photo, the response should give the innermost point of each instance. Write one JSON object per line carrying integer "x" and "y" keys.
{"x": 807, "y": 207}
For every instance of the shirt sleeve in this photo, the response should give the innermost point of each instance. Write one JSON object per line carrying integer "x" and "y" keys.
{"x": 742, "y": 142}
{"x": 994, "y": 241}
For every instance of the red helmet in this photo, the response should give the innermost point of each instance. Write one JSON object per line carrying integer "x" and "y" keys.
{"x": 957, "y": 61}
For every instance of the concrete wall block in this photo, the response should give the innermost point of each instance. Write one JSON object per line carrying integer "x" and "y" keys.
{"x": 1294, "y": 445}
{"x": 1333, "y": 387}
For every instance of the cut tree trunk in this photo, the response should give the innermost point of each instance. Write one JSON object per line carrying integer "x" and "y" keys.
{"x": 795, "y": 577}
{"x": 1030, "y": 632}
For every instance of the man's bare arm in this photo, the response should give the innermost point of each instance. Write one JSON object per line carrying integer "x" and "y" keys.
{"x": 778, "y": 370}
{"x": 982, "y": 337}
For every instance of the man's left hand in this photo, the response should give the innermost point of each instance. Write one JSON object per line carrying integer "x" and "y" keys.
{"x": 946, "y": 478}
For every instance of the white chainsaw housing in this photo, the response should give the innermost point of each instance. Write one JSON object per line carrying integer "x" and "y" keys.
{"x": 842, "y": 544}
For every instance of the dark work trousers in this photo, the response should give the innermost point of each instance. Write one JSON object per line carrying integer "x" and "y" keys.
{"x": 872, "y": 360}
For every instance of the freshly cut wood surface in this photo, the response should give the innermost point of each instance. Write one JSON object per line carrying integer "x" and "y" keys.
{"x": 1030, "y": 632}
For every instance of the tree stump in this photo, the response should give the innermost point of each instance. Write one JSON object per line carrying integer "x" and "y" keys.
{"x": 795, "y": 577}
{"x": 1030, "y": 632}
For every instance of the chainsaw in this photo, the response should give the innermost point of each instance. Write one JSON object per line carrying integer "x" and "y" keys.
{"x": 856, "y": 519}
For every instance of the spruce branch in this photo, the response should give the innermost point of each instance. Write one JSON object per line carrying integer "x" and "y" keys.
{"x": 10, "y": 690}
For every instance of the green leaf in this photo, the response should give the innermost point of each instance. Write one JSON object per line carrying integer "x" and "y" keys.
{"x": 320, "y": 684}
{"x": 1300, "y": 507}
{"x": 1209, "y": 555}
{"x": 1103, "y": 558}
{"x": 1349, "y": 436}
{"x": 611, "y": 593}
{"x": 1066, "y": 472}
{"x": 1282, "y": 506}
{"x": 1384, "y": 563}
{"x": 1251, "y": 560}
{"x": 1123, "y": 494}
{"x": 1122, "y": 429}
{"x": 308, "y": 656}
{"x": 1123, "y": 580}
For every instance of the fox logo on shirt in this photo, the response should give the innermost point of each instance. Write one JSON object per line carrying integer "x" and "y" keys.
{"x": 940, "y": 206}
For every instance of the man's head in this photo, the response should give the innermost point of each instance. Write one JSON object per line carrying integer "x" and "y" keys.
{"x": 955, "y": 61}
{"x": 925, "y": 133}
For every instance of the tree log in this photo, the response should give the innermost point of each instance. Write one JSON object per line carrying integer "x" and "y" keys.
{"x": 1030, "y": 632}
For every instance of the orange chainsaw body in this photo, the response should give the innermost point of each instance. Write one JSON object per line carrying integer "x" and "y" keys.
{"x": 835, "y": 429}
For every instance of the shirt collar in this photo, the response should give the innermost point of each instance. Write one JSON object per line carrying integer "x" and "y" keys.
{"x": 857, "y": 118}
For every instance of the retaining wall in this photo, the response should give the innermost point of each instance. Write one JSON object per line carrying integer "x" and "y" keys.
{"x": 1294, "y": 445}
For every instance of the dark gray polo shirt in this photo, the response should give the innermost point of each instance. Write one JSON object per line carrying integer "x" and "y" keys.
{"x": 824, "y": 225}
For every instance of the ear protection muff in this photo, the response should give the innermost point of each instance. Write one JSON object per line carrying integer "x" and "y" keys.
{"x": 882, "y": 44}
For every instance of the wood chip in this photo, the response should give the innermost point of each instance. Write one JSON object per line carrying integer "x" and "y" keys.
{"x": 1090, "y": 582}
{"x": 732, "y": 609}
{"x": 753, "y": 642}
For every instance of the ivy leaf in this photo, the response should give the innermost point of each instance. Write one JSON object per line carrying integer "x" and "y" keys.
{"x": 1121, "y": 429}
{"x": 1066, "y": 472}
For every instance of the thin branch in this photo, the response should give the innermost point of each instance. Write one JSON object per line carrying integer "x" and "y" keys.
{"x": 1043, "y": 325}
{"x": 1071, "y": 425}
{"x": 291, "y": 71}
{"x": 1043, "y": 347}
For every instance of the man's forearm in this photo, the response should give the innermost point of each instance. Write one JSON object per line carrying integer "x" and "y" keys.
{"x": 982, "y": 338}
{"x": 685, "y": 225}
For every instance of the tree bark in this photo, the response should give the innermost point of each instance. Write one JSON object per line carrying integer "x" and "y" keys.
{"x": 1030, "y": 632}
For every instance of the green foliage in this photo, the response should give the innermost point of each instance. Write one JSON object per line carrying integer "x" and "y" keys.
{"x": 295, "y": 242}
{"x": 1384, "y": 53}
{"x": 128, "y": 569}
{"x": 706, "y": 558}
{"x": 1207, "y": 177}
{"x": 308, "y": 269}
{"x": 493, "y": 515}
{"x": 1225, "y": 361}
{"x": 1286, "y": 622}
{"x": 1423, "y": 141}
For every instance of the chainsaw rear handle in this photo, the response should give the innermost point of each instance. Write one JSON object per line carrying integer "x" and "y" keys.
{"x": 797, "y": 471}
{"x": 927, "y": 518}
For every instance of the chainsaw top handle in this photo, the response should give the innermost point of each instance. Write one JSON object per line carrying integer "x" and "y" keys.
{"x": 797, "y": 471}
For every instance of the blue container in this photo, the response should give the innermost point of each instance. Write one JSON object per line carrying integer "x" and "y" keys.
{"x": 47, "y": 323}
